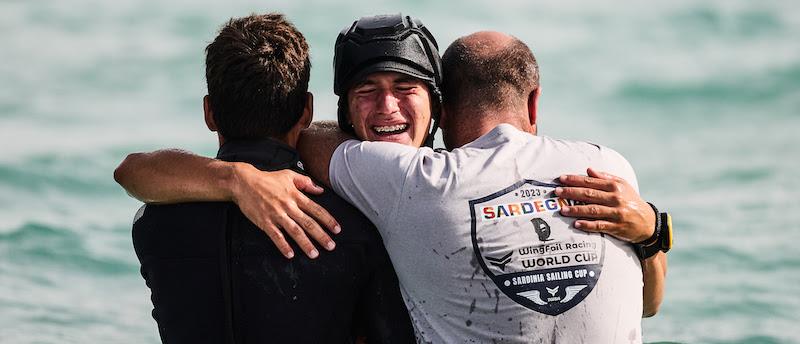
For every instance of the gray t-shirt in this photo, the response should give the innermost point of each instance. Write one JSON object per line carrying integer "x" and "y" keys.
{"x": 479, "y": 246}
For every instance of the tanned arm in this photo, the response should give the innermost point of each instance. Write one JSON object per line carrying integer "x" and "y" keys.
{"x": 274, "y": 201}
{"x": 318, "y": 142}
{"x": 614, "y": 207}
{"x": 174, "y": 176}
{"x": 654, "y": 270}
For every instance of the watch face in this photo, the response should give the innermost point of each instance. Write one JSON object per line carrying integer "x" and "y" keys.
{"x": 666, "y": 232}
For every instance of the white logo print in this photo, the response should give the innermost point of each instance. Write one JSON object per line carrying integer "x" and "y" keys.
{"x": 533, "y": 254}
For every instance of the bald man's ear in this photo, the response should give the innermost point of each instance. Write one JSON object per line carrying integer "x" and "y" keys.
{"x": 533, "y": 107}
{"x": 442, "y": 117}
{"x": 209, "y": 115}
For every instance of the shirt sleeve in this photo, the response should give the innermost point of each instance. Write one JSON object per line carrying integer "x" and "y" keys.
{"x": 617, "y": 165}
{"x": 371, "y": 175}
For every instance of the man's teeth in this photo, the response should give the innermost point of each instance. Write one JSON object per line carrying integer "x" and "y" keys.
{"x": 391, "y": 128}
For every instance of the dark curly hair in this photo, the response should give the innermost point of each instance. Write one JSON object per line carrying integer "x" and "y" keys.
{"x": 257, "y": 71}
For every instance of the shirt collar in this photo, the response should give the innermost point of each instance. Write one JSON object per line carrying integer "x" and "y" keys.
{"x": 264, "y": 154}
{"x": 500, "y": 134}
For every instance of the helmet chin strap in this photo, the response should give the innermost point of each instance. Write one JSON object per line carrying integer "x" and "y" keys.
{"x": 429, "y": 140}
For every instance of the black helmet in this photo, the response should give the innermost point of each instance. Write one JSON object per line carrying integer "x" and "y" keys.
{"x": 386, "y": 43}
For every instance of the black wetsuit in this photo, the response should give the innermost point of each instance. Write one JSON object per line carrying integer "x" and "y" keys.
{"x": 216, "y": 278}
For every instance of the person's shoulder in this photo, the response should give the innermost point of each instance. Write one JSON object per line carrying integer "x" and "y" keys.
{"x": 181, "y": 229}
{"x": 179, "y": 219}
{"x": 370, "y": 159}
{"x": 608, "y": 158}
{"x": 585, "y": 147}
{"x": 176, "y": 212}
{"x": 354, "y": 224}
{"x": 380, "y": 146}
{"x": 577, "y": 145}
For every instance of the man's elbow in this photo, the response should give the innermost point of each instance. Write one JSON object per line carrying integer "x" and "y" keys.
{"x": 652, "y": 304}
{"x": 650, "y": 310}
{"x": 124, "y": 175}
{"x": 123, "y": 171}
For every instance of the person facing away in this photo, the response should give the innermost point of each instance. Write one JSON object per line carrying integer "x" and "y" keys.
{"x": 477, "y": 234}
{"x": 214, "y": 276}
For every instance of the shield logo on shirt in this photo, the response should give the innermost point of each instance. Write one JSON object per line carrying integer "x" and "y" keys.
{"x": 531, "y": 252}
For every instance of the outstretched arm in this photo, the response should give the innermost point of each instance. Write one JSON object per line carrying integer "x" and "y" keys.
{"x": 174, "y": 176}
{"x": 614, "y": 207}
{"x": 272, "y": 200}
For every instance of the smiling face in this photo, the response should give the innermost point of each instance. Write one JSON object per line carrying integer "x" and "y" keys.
{"x": 392, "y": 107}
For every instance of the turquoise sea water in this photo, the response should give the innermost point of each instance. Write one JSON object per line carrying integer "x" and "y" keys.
{"x": 702, "y": 97}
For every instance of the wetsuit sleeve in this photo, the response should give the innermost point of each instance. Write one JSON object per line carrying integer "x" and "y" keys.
{"x": 617, "y": 165}
{"x": 371, "y": 175}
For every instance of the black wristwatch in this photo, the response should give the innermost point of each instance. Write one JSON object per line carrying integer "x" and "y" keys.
{"x": 661, "y": 240}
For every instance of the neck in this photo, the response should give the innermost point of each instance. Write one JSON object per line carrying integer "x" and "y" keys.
{"x": 465, "y": 131}
{"x": 290, "y": 139}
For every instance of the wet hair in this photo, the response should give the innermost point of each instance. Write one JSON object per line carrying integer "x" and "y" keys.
{"x": 479, "y": 79}
{"x": 257, "y": 71}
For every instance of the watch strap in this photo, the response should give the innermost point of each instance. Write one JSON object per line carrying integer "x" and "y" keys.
{"x": 653, "y": 238}
{"x": 661, "y": 240}
{"x": 665, "y": 234}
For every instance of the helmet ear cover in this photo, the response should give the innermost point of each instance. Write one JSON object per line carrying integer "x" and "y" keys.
{"x": 342, "y": 112}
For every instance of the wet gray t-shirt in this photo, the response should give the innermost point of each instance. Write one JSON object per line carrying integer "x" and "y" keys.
{"x": 479, "y": 246}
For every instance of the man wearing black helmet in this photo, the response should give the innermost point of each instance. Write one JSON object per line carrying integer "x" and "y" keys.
{"x": 388, "y": 53}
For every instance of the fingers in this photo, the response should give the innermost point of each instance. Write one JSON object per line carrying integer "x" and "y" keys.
{"x": 592, "y": 211}
{"x": 598, "y": 226}
{"x": 298, "y": 235}
{"x": 594, "y": 179}
{"x": 310, "y": 207}
{"x": 587, "y": 182}
{"x": 277, "y": 238}
{"x": 588, "y": 195}
{"x": 275, "y": 203}
{"x": 614, "y": 229}
{"x": 317, "y": 212}
{"x": 611, "y": 205}
{"x": 296, "y": 216}
{"x": 297, "y": 226}
{"x": 305, "y": 184}
{"x": 313, "y": 229}
{"x": 602, "y": 175}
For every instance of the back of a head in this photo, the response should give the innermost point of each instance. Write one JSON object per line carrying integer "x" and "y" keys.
{"x": 257, "y": 71}
{"x": 484, "y": 74}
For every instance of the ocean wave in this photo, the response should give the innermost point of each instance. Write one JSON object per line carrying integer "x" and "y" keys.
{"x": 36, "y": 245}
{"x": 767, "y": 86}
{"x": 75, "y": 174}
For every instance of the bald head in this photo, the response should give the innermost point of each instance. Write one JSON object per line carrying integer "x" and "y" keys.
{"x": 488, "y": 72}
{"x": 486, "y": 43}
